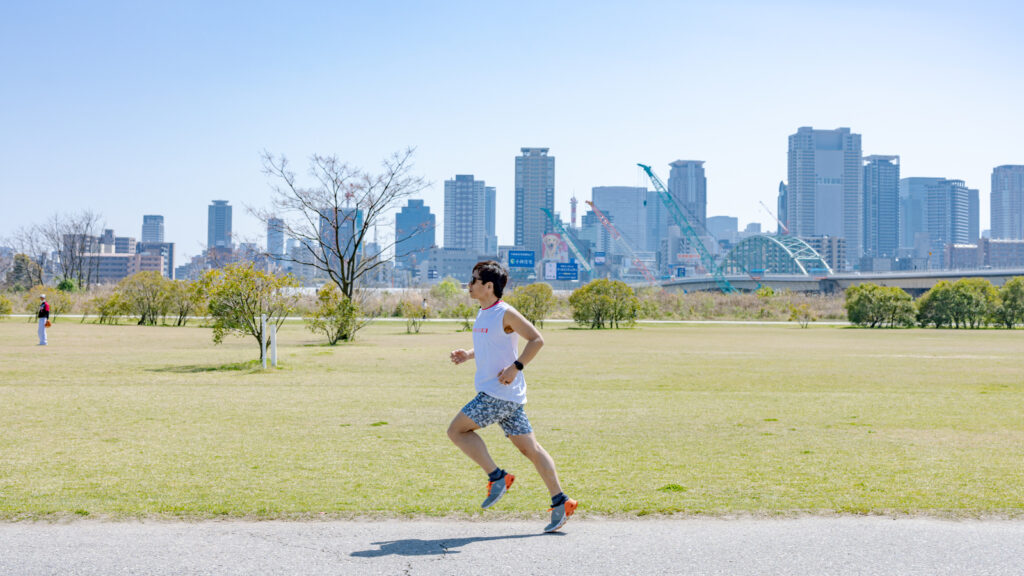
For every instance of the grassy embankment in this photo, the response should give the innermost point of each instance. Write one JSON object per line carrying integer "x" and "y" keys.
{"x": 699, "y": 419}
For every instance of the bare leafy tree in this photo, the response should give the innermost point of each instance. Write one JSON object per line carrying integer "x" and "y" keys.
{"x": 333, "y": 219}
{"x": 72, "y": 236}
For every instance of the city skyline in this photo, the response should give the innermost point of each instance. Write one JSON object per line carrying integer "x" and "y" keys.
{"x": 158, "y": 109}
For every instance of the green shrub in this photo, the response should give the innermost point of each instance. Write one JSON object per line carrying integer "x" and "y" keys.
{"x": 603, "y": 302}
{"x": 335, "y": 316}
{"x": 1010, "y": 310}
{"x": 533, "y": 301}
{"x": 5, "y": 306}
{"x": 414, "y": 313}
{"x": 879, "y": 306}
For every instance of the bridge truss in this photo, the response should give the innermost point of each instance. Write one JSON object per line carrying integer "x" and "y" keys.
{"x": 767, "y": 254}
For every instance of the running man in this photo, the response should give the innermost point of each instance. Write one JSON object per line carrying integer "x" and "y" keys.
{"x": 501, "y": 391}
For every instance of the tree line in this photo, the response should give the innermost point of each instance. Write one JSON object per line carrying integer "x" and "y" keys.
{"x": 966, "y": 303}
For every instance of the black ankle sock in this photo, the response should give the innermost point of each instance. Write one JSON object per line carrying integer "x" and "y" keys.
{"x": 558, "y": 499}
{"x": 498, "y": 474}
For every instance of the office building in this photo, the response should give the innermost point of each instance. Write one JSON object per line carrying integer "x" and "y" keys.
{"x": 338, "y": 229}
{"x": 688, "y": 187}
{"x": 152, "y": 228}
{"x": 824, "y": 192}
{"x": 626, "y": 206}
{"x": 535, "y": 189}
{"x": 913, "y": 231}
{"x": 218, "y": 227}
{"x": 951, "y": 207}
{"x": 124, "y": 245}
{"x": 657, "y": 221}
{"x": 163, "y": 249}
{"x": 469, "y": 218}
{"x": 1007, "y": 203}
{"x": 415, "y": 229}
{"x": 275, "y": 236}
{"x": 724, "y": 228}
{"x": 881, "y": 206}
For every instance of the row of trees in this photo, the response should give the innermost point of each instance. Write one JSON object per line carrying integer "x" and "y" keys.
{"x": 966, "y": 303}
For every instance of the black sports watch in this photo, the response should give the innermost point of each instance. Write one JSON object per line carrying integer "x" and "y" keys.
{"x": 519, "y": 365}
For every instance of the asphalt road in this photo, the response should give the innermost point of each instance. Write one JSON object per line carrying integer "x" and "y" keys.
{"x": 811, "y": 546}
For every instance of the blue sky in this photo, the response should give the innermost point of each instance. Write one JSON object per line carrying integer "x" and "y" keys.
{"x": 132, "y": 108}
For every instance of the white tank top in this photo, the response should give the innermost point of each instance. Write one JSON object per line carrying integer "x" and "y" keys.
{"x": 495, "y": 350}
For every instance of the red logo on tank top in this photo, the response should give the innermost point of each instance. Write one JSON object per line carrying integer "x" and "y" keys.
{"x": 483, "y": 330}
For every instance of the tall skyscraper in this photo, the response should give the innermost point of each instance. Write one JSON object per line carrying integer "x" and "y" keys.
{"x": 657, "y": 221}
{"x": 491, "y": 228}
{"x": 824, "y": 191}
{"x": 415, "y": 234}
{"x": 152, "y": 228}
{"x": 218, "y": 227}
{"x": 1007, "y": 206}
{"x": 627, "y": 205}
{"x": 689, "y": 188}
{"x": 781, "y": 208}
{"x": 881, "y": 205}
{"x": 466, "y": 217}
{"x": 348, "y": 222}
{"x": 913, "y": 234}
{"x": 535, "y": 189}
{"x": 949, "y": 217}
{"x": 275, "y": 236}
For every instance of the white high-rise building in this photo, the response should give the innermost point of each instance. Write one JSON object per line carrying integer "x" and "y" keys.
{"x": 467, "y": 223}
{"x": 824, "y": 195}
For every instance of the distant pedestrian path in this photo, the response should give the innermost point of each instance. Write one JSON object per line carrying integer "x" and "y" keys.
{"x": 803, "y": 546}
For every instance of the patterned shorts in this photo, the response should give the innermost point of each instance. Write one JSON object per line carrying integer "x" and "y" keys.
{"x": 485, "y": 410}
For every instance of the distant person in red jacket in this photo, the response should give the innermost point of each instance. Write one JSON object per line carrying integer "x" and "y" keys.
{"x": 44, "y": 318}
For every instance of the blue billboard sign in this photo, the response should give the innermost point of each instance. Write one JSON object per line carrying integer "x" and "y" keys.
{"x": 599, "y": 258}
{"x": 567, "y": 272}
{"x": 520, "y": 259}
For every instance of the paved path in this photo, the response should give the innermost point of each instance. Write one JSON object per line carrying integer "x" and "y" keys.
{"x": 811, "y": 546}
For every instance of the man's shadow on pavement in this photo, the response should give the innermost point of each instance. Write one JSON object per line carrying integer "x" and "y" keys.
{"x": 417, "y": 547}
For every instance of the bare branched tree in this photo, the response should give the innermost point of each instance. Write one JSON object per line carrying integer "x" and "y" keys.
{"x": 333, "y": 220}
{"x": 29, "y": 240}
{"x": 72, "y": 236}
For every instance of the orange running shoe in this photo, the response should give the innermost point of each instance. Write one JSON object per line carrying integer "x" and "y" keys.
{"x": 497, "y": 489}
{"x": 560, "y": 515}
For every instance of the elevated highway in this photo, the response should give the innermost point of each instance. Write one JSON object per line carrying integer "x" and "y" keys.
{"x": 915, "y": 283}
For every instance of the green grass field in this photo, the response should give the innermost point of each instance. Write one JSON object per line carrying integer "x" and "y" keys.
{"x": 117, "y": 421}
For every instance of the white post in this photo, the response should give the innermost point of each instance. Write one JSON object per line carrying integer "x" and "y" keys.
{"x": 273, "y": 345}
{"x": 263, "y": 339}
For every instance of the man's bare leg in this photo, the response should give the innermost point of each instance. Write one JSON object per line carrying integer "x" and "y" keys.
{"x": 542, "y": 461}
{"x": 461, "y": 432}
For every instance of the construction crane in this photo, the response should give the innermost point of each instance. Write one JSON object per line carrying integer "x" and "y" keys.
{"x": 622, "y": 242}
{"x": 572, "y": 245}
{"x": 687, "y": 230}
{"x": 782, "y": 227}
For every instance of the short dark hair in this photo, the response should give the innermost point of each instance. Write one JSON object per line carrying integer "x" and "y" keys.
{"x": 491, "y": 271}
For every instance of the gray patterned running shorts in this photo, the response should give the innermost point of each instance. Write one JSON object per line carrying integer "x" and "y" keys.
{"x": 485, "y": 410}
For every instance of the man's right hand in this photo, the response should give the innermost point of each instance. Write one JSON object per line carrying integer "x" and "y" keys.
{"x": 459, "y": 356}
